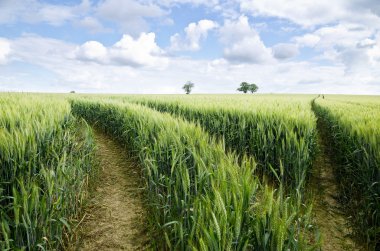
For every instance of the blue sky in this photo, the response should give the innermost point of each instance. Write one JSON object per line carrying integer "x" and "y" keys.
{"x": 150, "y": 46}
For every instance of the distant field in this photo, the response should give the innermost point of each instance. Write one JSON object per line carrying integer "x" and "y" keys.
{"x": 221, "y": 172}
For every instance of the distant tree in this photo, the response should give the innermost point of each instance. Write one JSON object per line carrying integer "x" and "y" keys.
{"x": 188, "y": 87}
{"x": 72, "y": 92}
{"x": 253, "y": 88}
{"x": 244, "y": 87}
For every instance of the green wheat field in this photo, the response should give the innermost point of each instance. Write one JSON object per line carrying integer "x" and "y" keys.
{"x": 220, "y": 172}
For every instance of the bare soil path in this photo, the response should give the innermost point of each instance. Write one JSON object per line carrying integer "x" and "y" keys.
{"x": 116, "y": 216}
{"x": 329, "y": 215}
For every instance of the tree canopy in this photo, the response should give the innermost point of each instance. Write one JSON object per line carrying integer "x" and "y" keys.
{"x": 188, "y": 87}
{"x": 245, "y": 87}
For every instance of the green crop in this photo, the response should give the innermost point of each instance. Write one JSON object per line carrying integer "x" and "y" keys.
{"x": 200, "y": 198}
{"x": 354, "y": 126}
{"x": 205, "y": 159}
{"x": 45, "y": 159}
{"x": 278, "y": 131}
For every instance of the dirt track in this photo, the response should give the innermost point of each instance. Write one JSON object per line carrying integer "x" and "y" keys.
{"x": 116, "y": 216}
{"x": 329, "y": 215}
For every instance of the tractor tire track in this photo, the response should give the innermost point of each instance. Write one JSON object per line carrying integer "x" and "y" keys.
{"x": 117, "y": 219}
{"x": 329, "y": 214}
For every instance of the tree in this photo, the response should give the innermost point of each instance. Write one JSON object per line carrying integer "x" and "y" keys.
{"x": 253, "y": 88}
{"x": 188, "y": 86}
{"x": 244, "y": 87}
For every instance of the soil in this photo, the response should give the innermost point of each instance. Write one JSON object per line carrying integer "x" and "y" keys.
{"x": 116, "y": 217}
{"x": 329, "y": 215}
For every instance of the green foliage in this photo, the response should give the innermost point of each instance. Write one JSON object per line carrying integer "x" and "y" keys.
{"x": 245, "y": 87}
{"x": 201, "y": 199}
{"x": 279, "y": 134}
{"x": 253, "y": 88}
{"x": 188, "y": 87}
{"x": 354, "y": 127}
{"x": 45, "y": 159}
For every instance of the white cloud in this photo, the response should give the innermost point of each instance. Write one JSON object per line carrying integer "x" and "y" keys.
{"x": 363, "y": 59}
{"x": 235, "y": 30}
{"x": 194, "y": 33}
{"x": 131, "y": 16}
{"x": 374, "y": 50}
{"x": 10, "y": 10}
{"x": 92, "y": 51}
{"x": 249, "y": 50}
{"x": 372, "y": 6}
{"x": 243, "y": 43}
{"x": 128, "y": 14}
{"x": 356, "y": 60}
{"x": 302, "y": 12}
{"x": 345, "y": 33}
{"x": 284, "y": 51}
{"x": 140, "y": 52}
{"x": 173, "y": 3}
{"x": 70, "y": 73}
{"x": 346, "y": 43}
{"x": 33, "y": 11}
{"x": 366, "y": 43}
{"x": 5, "y": 49}
{"x": 342, "y": 35}
{"x": 41, "y": 51}
{"x": 225, "y": 8}
{"x": 92, "y": 24}
{"x": 308, "y": 40}
{"x": 312, "y": 13}
{"x": 54, "y": 14}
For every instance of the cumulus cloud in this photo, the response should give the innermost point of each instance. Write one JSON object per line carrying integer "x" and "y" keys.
{"x": 345, "y": 33}
{"x": 365, "y": 5}
{"x": 362, "y": 59}
{"x": 354, "y": 59}
{"x": 5, "y": 49}
{"x": 68, "y": 72}
{"x": 92, "y": 24}
{"x": 140, "y": 52}
{"x": 243, "y": 43}
{"x": 374, "y": 50}
{"x": 312, "y": 13}
{"x": 284, "y": 51}
{"x": 33, "y": 11}
{"x": 194, "y": 33}
{"x": 41, "y": 50}
{"x": 92, "y": 51}
{"x": 249, "y": 50}
{"x": 307, "y": 40}
{"x": 342, "y": 32}
{"x": 170, "y": 3}
{"x": 54, "y": 14}
{"x": 366, "y": 43}
{"x": 346, "y": 43}
{"x": 342, "y": 35}
{"x": 128, "y": 14}
{"x": 235, "y": 30}
{"x": 305, "y": 13}
{"x": 8, "y": 8}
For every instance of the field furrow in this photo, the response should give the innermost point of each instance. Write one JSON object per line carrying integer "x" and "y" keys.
{"x": 199, "y": 172}
{"x": 116, "y": 216}
{"x": 329, "y": 214}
